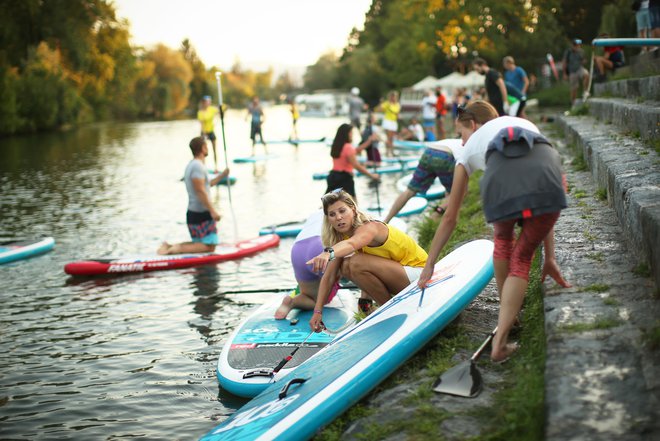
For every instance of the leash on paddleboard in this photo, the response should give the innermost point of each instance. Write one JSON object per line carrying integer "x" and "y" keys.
{"x": 224, "y": 145}
{"x": 288, "y": 358}
{"x": 421, "y": 298}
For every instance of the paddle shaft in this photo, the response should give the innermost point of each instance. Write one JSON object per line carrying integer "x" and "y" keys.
{"x": 224, "y": 147}
{"x": 253, "y": 291}
{"x": 288, "y": 358}
{"x": 477, "y": 354}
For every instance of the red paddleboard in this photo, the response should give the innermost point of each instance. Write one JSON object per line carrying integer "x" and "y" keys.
{"x": 157, "y": 263}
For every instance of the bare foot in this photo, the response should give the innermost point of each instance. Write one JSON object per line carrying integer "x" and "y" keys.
{"x": 285, "y": 307}
{"x": 502, "y": 355}
{"x": 164, "y": 248}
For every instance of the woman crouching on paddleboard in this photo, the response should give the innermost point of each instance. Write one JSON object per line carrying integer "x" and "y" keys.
{"x": 522, "y": 183}
{"x": 380, "y": 259}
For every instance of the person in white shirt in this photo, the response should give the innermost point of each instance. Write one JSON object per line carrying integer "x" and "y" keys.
{"x": 480, "y": 130}
{"x": 414, "y": 131}
{"x": 429, "y": 115}
{"x": 437, "y": 161}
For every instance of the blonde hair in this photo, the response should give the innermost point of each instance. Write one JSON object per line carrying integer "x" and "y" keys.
{"x": 478, "y": 111}
{"x": 330, "y": 236}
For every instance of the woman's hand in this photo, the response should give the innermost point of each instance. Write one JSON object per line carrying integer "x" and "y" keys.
{"x": 320, "y": 262}
{"x": 316, "y": 322}
{"x": 550, "y": 268}
{"x": 424, "y": 277}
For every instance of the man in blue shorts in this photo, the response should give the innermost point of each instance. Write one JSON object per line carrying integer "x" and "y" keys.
{"x": 201, "y": 215}
{"x": 437, "y": 161}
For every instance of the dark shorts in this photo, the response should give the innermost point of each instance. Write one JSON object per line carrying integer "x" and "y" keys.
{"x": 340, "y": 179}
{"x": 255, "y": 129}
{"x": 202, "y": 227}
{"x": 433, "y": 163}
{"x": 210, "y": 135}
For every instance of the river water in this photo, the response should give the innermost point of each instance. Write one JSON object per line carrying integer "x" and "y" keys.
{"x": 134, "y": 356}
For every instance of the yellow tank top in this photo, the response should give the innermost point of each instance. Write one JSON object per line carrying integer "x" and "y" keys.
{"x": 206, "y": 117}
{"x": 391, "y": 110}
{"x": 399, "y": 247}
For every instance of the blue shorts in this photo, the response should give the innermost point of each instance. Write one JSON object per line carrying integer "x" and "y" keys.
{"x": 303, "y": 251}
{"x": 654, "y": 15}
{"x": 433, "y": 163}
{"x": 202, "y": 228}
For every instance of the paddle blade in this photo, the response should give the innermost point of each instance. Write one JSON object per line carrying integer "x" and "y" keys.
{"x": 463, "y": 380}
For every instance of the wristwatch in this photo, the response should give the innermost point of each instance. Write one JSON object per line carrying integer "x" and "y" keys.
{"x": 330, "y": 251}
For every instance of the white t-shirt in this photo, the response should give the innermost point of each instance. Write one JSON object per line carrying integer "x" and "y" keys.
{"x": 417, "y": 130}
{"x": 428, "y": 107}
{"x": 452, "y": 144}
{"x": 473, "y": 154}
{"x": 312, "y": 227}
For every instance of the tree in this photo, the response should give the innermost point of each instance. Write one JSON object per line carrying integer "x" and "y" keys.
{"x": 322, "y": 74}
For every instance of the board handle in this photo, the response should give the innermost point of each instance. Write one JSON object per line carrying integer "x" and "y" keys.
{"x": 259, "y": 373}
{"x": 290, "y": 383}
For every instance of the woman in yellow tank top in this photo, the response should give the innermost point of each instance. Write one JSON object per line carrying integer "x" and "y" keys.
{"x": 380, "y": 259}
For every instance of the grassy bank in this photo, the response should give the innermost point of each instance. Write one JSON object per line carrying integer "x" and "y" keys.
{"x": 517, "y": 410}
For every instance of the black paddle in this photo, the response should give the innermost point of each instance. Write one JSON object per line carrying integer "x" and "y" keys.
{"x": 463, "y": 380}
{"x": 224, "y": 146}
{"x": 252, "y": 291}
{"x": 288, "y": 358}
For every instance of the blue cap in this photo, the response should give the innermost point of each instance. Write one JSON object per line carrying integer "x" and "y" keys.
{"x": 207, "y": 97}
{"x": 577, "y": 41}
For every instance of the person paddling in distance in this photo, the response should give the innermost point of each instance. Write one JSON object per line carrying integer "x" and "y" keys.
{"x": 201, "y": 215}
{"x": 344, "y": 160}
{"x": 380, "y": 259}
{"x": 504, "y": 187}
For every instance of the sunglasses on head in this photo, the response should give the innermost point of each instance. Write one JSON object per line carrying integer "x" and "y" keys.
{"x": 463, "y": 110}
{"x": 333, "y": 193}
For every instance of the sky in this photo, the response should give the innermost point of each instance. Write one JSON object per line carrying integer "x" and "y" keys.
{"x": 259, "y": 33}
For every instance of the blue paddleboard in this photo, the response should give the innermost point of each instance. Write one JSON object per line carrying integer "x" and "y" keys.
{"x": 415, "y": 205}
{"x": 384, "y": 169}
{"x": 12, "y": 250}
{"x": 291, "y": 229}
{"x": 298, "y": 141}
{"x": 435, "y": 191}
{"x": 392, "y": 160}
{"x": 300, "y": 403}
{"x": 255, "y": 158}
{"x": 408, "y": 145}
{"x": 260, "y": 343}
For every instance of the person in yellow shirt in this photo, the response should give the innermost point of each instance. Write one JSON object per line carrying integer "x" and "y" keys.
{"x": 391, "y": 109}
{"x": 295, "y": 114}
{"x": 380, "y": 259}
{"x": 206, "y": 115}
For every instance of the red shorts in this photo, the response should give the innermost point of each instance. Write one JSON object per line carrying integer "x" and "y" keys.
{"x": 520, "y": 252}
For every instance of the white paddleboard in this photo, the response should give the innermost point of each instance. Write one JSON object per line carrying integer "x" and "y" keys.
{"x": 415, "y": 205}
{"x": 435, "y": 191}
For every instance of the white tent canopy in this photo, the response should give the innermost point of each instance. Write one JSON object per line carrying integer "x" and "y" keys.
{"x": 454, "y": 80}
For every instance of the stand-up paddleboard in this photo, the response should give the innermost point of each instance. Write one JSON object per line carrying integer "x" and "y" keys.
{"x": 12, "y": 250}
{"x": 298, "y": 404}
{"x": 288, "y": 229}
{"x": 260, "y": 343}
{"x": 298, "y": 141}
{"x": 392, "y": 160}
{"x": 408, "y": 145}
{"x": 385, "y": 169}
{"x": 255, "y": 158}
{"x": 157, "y": 263}
{"x": 415, "y": 205}
{"x": 229, "y": 180}
{"x": 435, "y": 191}
{"x": 291, "y": 229}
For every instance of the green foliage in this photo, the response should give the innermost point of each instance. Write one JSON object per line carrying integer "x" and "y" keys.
{"x": 599, "y": 323}
{"x": 601, "y": 194}
{"x": 556, "y": 96}
{"x": 597, "y": 287}
{"x": 651, "y": 336}
{"x": 642, "y": 270}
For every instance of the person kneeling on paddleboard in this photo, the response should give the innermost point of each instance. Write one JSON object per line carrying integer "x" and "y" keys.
{"x": 380, "y": 259}
{"x": 201, "y": 215}
{"x": 522, "y": 183}
{"x": 307, "y": 245}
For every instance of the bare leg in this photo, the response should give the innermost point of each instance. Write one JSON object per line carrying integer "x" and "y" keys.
{"x": 399, "y": 203}
{"x": 305, "y": 301}
{"x": 378, "y": 276}
{"x": 511, "y": 299}
{"x": 389, "y": 147}
{"x": 185, "y": 248}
